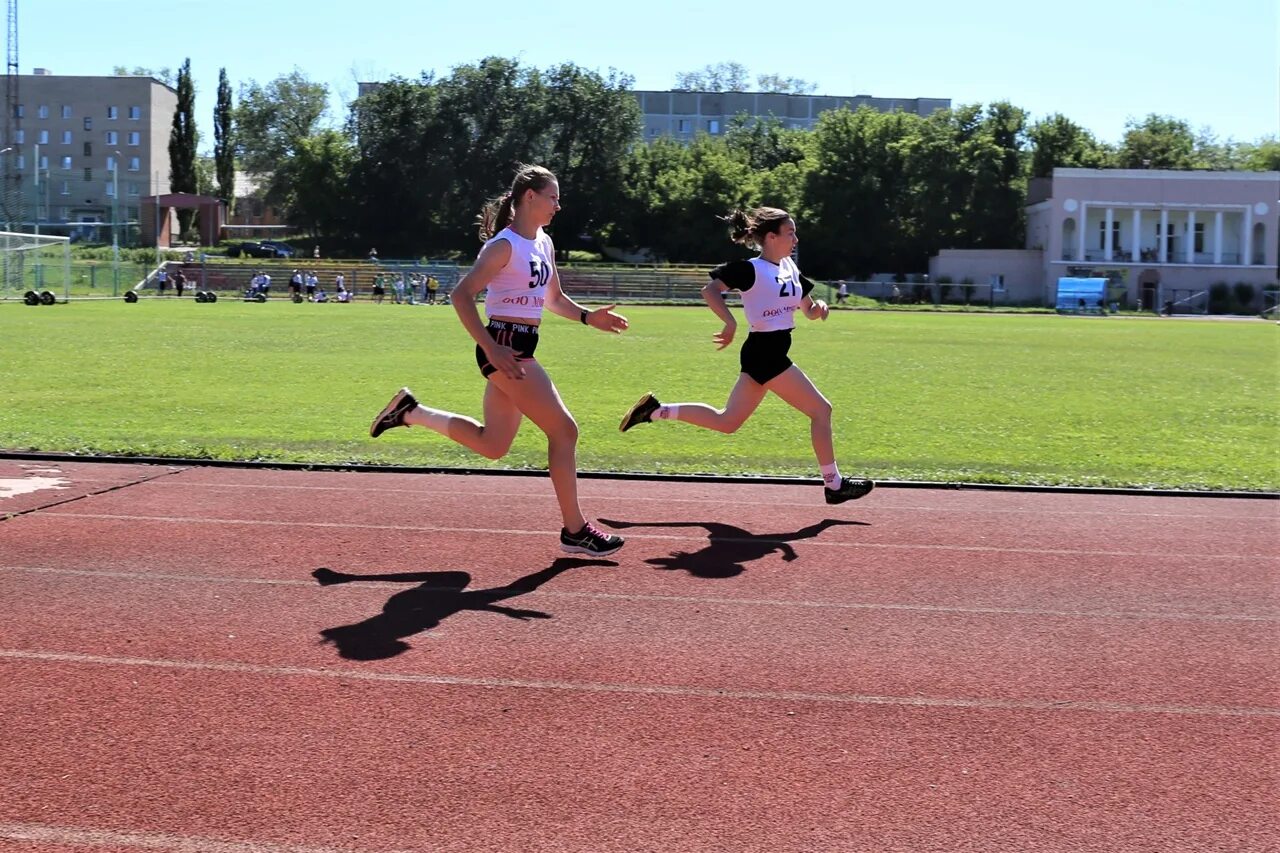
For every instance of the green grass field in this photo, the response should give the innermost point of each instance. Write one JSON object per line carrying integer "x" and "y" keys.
{"x": 942, "y": 397}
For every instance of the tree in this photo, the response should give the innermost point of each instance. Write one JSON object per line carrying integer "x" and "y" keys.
{"x": 721, "y": 77}
{"x": 1057, "y": 141}
{"x": 786, "y": 85}
{"x": 224, "y": 156}
{"x": 182, "y": 144}
{"x": 319, "y": 175}
{"x": 1262, "y": 156}
{"x": 164, "y": 75}
{"x": 431, "y": 152}
{"x": 1157, "y": 142}
{"x": 272, "y": 120}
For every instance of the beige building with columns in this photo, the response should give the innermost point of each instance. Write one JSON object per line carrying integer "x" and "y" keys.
{"x": 1162, "y": 234}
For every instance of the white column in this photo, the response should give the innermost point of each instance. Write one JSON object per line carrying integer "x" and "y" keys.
{"x": 1190, "y": 249}
{"x": 1163, "y": 242}
{"x": 1080, "y": 232}
{"x": 1107, "y": 248}
{"x": 1217, "y": 237}
{"x": 1246, "y": 239}
{"x": 1135, "y": 242}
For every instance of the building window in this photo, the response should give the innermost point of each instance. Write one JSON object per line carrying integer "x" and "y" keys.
{"x": 135, "y": 138}
{"x": 1115, "y": 234}
{"x": 66, "y": 162}
{"x": 19, "y": 136}
{"x": 135, "y": 164}
{"x": 111, "y": 163}
{"x": 43, "y": 137}
{"x": 66, "y": 111}
{"x": 1199, "y": 245}
{"x": 88, "y": 149}
{"x": 42, "y": 111}
{"x": 88, "y": 123}
{"x": 109, "y": 189}
{"x": 713, "y": 125}
{"x": 66, "y": 137}
{"x": 44, "y": 162}
{"x": 19, "y": 110}
{"x": 113, "y": 138}
{"x": 66, "y": 190}
{"x": 683, "y": 124}
{"x": 88, "y": 175}
{"x": 133, "y": 189}
{"x": 653, "y": 131}
{"x": 113, "y": 113}
{"x": 20, "y": 162}
{"x": 135, "y": 113}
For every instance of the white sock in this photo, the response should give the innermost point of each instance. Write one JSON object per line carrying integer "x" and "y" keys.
{"x": 432, "y": 419}
{"x": 669, "y": 412}
{"x": 830, "y": 475}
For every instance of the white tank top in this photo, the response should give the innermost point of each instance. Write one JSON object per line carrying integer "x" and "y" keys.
{"x": 771, "y": 293}
{"x": 520, "y": 288}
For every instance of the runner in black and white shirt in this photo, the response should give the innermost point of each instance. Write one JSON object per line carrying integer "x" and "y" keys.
{"x": 773, "y": 292}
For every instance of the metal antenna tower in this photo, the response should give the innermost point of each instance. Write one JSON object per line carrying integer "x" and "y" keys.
{"x": 11, "y": 196}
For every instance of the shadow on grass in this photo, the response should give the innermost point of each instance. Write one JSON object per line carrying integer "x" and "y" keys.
{"x": 438, "y": 596}
{"x": 729, "y": 548}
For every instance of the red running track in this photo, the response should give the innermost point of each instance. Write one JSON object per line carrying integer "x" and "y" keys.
{"x": 922, "y": 670}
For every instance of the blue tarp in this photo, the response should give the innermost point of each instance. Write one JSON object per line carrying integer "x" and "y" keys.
{"x": 1081, "y": 294}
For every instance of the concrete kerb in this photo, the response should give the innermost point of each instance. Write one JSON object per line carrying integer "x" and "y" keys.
{"x": 612, "y": 475}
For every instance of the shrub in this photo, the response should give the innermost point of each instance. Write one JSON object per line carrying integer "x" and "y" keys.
{"x": 1244, "y": 294}
{"x": 1219, "y": 298}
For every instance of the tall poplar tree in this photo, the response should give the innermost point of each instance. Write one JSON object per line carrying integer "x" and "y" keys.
{"x": 224, "y": 155}
{"x": 182, "y": 144}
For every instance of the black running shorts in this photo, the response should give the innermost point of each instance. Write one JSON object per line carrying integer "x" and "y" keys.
{"x": 521, "y": 338}
{"x": 764, "y": 354}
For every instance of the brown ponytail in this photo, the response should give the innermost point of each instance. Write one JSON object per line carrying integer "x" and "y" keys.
{"x": 749, "y": 227}
{"x": 497, "y": 213}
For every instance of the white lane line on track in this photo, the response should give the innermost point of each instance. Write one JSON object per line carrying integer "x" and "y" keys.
{"x": 687, "y": 692}
{"x": 415, "y": 528}
{"x": 877, "y": 505}
{"x": 115, "y": 839}
{"x": 149, "y": 577}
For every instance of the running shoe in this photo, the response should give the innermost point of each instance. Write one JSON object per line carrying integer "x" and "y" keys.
{"x": 850, "y": 490}
{"x": 392, "y": 415}
{"x": 590, "y": 540}
{"x": 640, "y": 413}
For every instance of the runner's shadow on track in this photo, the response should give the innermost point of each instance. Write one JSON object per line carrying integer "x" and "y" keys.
{"x": 729, "y": 548}
{"x": 438, "y": 596}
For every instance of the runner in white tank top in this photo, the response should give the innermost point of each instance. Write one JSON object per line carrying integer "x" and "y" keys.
{"x": 773, "y": 293}
{"x": 516, "y": 270}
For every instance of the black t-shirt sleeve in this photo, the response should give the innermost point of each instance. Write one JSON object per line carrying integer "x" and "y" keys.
{"x": 805, "y": 285}
{"x": 737, "y": 275}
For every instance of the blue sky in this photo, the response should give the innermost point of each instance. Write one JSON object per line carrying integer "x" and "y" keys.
{"x": 1099, "y": 62}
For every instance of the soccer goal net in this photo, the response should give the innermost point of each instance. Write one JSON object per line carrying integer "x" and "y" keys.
{"x": 34, "y": 264}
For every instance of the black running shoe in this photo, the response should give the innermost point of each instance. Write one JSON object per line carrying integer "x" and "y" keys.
{"x": 640, "y": 412}
{"x": 392, "y": 415}
{"x": 590, "y": 540}
{"x": 850, "y": 490}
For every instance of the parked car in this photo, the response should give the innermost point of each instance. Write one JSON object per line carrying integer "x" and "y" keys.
{"x": 282, "y": 250}
{"x": 251, "y": 249}
{"x": 261, "y": 249}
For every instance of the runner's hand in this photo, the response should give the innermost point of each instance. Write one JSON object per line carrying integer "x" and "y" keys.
{"x": 725, "y": 336}
{"x": 504, "y": 360}
{"x": 610, "y": 321}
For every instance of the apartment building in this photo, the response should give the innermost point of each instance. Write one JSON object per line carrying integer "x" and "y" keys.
{"x": 74, "y": 142}
{"x": 684, "y": 114}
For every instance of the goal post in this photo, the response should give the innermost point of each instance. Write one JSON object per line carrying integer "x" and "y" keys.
{"x": 39, "y": 263}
